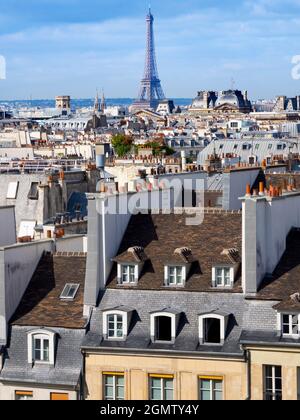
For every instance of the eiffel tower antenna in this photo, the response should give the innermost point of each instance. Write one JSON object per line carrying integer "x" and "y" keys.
{"x": 151, "y": 92}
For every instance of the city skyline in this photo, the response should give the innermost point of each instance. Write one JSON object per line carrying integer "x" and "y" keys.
{"x": 72, "y": 48}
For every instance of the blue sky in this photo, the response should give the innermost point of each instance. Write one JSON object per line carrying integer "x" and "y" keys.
{"x": 74, "y": 46}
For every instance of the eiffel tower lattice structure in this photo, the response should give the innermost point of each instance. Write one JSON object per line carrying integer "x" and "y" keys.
{"x": 151, "y": 92}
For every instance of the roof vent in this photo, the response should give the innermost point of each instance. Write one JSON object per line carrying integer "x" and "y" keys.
{"x": 185, "y": 253}
{"x": 138, "y": 252}
{"x": 233, "y": 254}
{"x": 296, "y": 297}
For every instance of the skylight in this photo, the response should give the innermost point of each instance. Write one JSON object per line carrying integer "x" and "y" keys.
{"x": 69, "y": 291}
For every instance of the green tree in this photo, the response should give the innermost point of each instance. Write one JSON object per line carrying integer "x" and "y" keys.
{"x": 122, "y": 144}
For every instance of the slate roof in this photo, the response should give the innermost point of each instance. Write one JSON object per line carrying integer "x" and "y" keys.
{"x": 41, "y": 304}
{"x": 285, "y": 280}
{"x": 160, "y": 235}
{"x": 244, "y": 315}
{"x": 68, "y": 359}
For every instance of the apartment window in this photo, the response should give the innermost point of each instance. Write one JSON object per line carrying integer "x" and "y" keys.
{"x": 115, "y": 326}
{"x": 161, "y": 388}
{"x": 23, "y": 395}
{"x": 210, "y": 389}
{"x": 41, "y": 347}
{"x": 128, "y": 274}
{"x": 212, "y": 331}
{"x": 33, "y": 192}
{"x": 57, "y": 396}
{"x": 273, "y": 383}
{"x": 257, "y": 146}
{"x": 175, "y": 276}
{"x": 290, "y": 325}
{"x": 163, "y": 328}
{"x": 223, "y": 277}
{"x": 212, "y": 328}
{"x": 114, "y": 386}
{"x": 270, "y": 146}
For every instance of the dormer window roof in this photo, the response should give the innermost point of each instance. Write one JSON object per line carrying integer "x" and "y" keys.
{"x": 181, "y": 256}
{"x": 232, "y": 256}
{"x": 135, "y": 255}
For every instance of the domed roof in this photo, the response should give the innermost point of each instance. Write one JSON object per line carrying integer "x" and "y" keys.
{"x": 228, "y": 97}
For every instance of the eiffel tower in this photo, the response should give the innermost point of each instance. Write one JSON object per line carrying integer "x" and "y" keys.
{"x": 151, "y": 92}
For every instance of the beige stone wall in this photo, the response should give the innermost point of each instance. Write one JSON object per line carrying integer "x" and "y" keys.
{"x": 288, "y": 359}
{"x": 7, "y": 392}
{"x": 186, "y": 374}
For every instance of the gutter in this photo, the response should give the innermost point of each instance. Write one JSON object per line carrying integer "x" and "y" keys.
{"x": 248, "y": 361}
{"x": 157, "y": 353}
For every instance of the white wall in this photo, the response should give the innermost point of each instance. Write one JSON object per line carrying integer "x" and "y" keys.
{"x": 234, "y": 187}
{"x": 17, "y": 266}
{"x": 7, "y": 226}
{"x": 72, "y": 243}
{"x": 266, "y": 225}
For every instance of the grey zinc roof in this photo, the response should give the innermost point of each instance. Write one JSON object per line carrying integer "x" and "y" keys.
{"x": 245, "y": 315}
{"x": 261, "y": 148}
{"x": 68, "y": 359}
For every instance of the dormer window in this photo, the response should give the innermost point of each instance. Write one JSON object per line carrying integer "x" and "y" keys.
{"x": 115, "y": 326}
{"x": 290, "y": 325}
{"x": 130, "y": 265}
{"x": 224, "y": 273}
{"x": 128, "y": 274}
{"x": 175, "y": 275}
{"x": 178, "y": 267}
{"x": 41, "y": 347}
{"x": 223, "y": 277}
{"x": 212, "y": 328}
{"x": 163, "y": 325}
{"x": 116, "y": 323}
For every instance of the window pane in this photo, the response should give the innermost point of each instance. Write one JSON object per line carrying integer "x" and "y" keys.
{"x": 156, "y": 394}
{"x": 218, "y": 396}
{"x": 109, "y": 380}
{"x": 37, "y": 349}
{"x": 205, "y": 396}
{"x": 109, "y": 393}
{"x": 169, "y": 395}
{"x": 205, "y": 384}
{"x": 46, "y": 350}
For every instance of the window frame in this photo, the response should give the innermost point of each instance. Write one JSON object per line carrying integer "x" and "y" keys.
{"x": 174, "y": 323}
{"x": 202, "y": 332}
{"x": 19, "y": 393}
{"x": 215, "y": 277}
{"x": 212, "y": 380}
{"x": 128, "y": 273}
{"x": 125, "y": 321}
{"x": 70, "y": 285}
{"x": 176, "y": 269}
{"x": 42, "y": 335}
{"x": 281, "y": 324}
{"x": 273, "y": 377}
{"x": 115, "y": 386}
{"x": 163, "y": 389}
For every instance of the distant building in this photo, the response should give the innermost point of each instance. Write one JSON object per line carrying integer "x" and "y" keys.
{"x": 287, "y": 104}
{"x": 63, "y": 103}
{"x": 228, "y": 101}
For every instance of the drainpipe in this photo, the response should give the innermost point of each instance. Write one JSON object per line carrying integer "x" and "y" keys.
{"x": 82, "y": 382}
{"x": 248, "y": 361}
